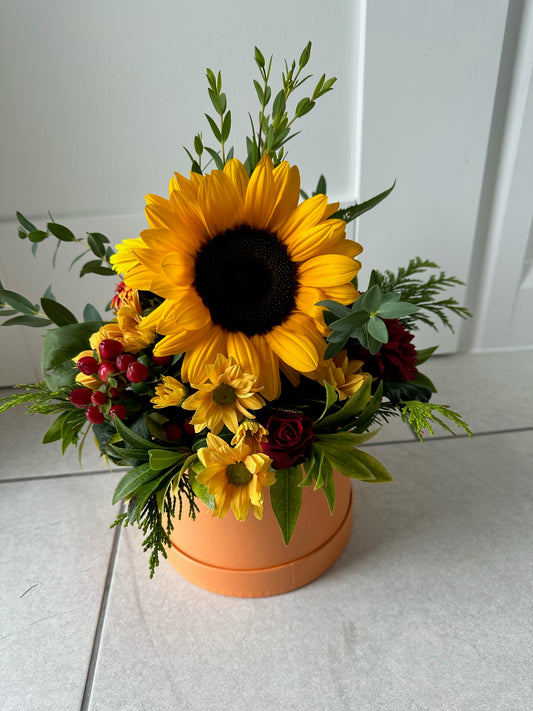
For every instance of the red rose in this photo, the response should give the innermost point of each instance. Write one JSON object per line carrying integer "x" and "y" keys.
{"x": 290, "y": 434}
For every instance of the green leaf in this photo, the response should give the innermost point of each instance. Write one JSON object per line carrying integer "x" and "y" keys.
{"x": 303, "y": 107}
{"x": 97, "y": 244}
{"x": 424, "y": 354}
{"x": 61, "y": 376}
{"x": 352, "y": 407}
{"x": 64, "y": 343}
{"x": 321, "y": 186}
{"x": 357, "y": 464}
{"x": 53, "y": 433}
{"x": 161, "y": 459}
{"x": 336, "y": 440}
{"x": 33, "y": 321}
{"x": 143, "y": 493}
{"x": 95, "y": 266}
{"x": 61, "y": 232}
{"x": 131, "y": 438}
{"x": 421, "y": 379}
{"x": 339, "y": 310}
{"x": 350, "y": 213}
{"x": 286, "y": 499}
{"x": 199, "y": 489}
{"x": 214, "y": 128}
{"x": 366, "y": 417}
{"x": 226, "y": 126}
{"x": 216, "y": 157}
{"x": 278, "y": 108}
{"x": 17, "y": 301}
{"x": 331, "y": 397}
{"x": 57, "y": 313}
{"x": 326, "y": 481}
{"x": 198, "y": 145}
{"x": 396, "y": 309}
{"x": 128, "y": 453}
{"x": 377, "y": 329}
{"x": 29, "y": 226}
{"x": 132, "y": 481}
{"x": 48, "y": 294}
{"x": 305, "y": 55}
{"x": 259, "y": 58}
{"x": 37, "y": 236}
{"x": 91, "y": 314}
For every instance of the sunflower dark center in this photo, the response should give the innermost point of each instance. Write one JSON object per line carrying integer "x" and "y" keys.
{"x": 246, "y": 279}
{"x": 238, "y": 474}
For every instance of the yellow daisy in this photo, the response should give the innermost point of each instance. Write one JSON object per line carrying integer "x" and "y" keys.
{"x": 345, "y": 375}
{"x": 235, "y": 477}
{"x": 251, "y": 433}
{"x": 241, "y": 266}
{"x": 225, "y": 399}
{"x": 169, "y": 393}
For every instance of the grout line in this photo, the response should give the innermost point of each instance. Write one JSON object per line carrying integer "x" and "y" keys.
{"x": 461, "y": 435}
{"x": 101, "y": 619}
{"x": 66, "y": 475}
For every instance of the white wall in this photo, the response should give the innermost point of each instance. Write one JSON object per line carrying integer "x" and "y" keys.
{"x": 98, "y": 99}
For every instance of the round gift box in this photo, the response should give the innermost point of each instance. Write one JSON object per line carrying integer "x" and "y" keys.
{"x": 250, "y": 559}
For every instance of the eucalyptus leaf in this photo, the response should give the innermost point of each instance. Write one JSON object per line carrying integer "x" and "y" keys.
{"x": 61, "y": 232}
{"x": 19, "y": 302}
{"x": 32, "y": 321}
{"x": 377, "y": 329}
{"x": 57, "y": 313}
{"x": 29, "y": 226}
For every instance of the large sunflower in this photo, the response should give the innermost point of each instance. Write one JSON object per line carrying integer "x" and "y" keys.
{"x": 241, "y": 267}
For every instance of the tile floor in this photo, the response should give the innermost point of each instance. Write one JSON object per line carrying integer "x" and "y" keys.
{"x": 429, "y": 606}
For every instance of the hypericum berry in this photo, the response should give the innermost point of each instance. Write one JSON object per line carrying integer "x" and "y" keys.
{"x": 80, "y": 397}
{"x": 118, "y": 411}
{"x": 98, "y": 398}
{"x": 109, "y": 349}
{"x": 189, "y": 429}
{"x": 136, "y": 372}
{"x": 113, "y": 393}
{"x": 123, "y": 360}
{"x": 88, "y": 365}
{"x": 172, "y": 431}
{"x": 94, "y": 415}
{"x": 161, "y": 360}
{"x": 106, "y": 370}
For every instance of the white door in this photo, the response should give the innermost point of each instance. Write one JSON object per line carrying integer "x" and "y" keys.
{"x": 99, "y": 98}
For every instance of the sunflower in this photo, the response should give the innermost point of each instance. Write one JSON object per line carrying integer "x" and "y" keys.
{"x": 241, "y": 266}
{"x": 225, "y": 399}
{"x": 235, "y": 477}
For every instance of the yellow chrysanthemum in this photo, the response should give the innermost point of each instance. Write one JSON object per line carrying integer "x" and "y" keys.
{"x": 241, "y": 266}
{"x": 225, "y": 399}
{"x": 126, "y": 331}
{"x": 169, "y": 393}
{"x": 235, "y": 477}
{"x": 251, "y": 433}
{"x": 345, "y": 375}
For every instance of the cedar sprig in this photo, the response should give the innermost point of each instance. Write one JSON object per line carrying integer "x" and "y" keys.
{"x": 423, "y": 293}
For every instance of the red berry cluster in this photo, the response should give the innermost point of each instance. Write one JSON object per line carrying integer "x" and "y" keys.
{"x": 115, "y": 367}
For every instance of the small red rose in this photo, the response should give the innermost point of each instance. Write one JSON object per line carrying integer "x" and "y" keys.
{"x": 290, "y": 434}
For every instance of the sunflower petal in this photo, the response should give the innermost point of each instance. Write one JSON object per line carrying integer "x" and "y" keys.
{"x": 294, "y": 349}
{"x": 239, "y": 177}
{"x": 220, "y": 202}
{"x": 327, "y": 270}
{"x": 261, "y": 196}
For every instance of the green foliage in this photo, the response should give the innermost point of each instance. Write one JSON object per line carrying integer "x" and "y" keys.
{"x": 286, "y": 499}
{"x": 364, "y": 320}
{"x": 421, "y": 415}
{"x": 272, "y": 128}
{"x": 423, "y": 293}
{"x": 350, "y": 213}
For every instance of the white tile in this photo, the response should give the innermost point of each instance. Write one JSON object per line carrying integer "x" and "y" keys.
{"x": 493, "y": 391}
{"x": 24, "y": 455}
{"x": 427, "y": 608}
{"x": 55, "y": 545}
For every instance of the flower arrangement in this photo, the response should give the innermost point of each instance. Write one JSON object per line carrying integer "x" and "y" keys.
{"x": 239, "y": 359}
